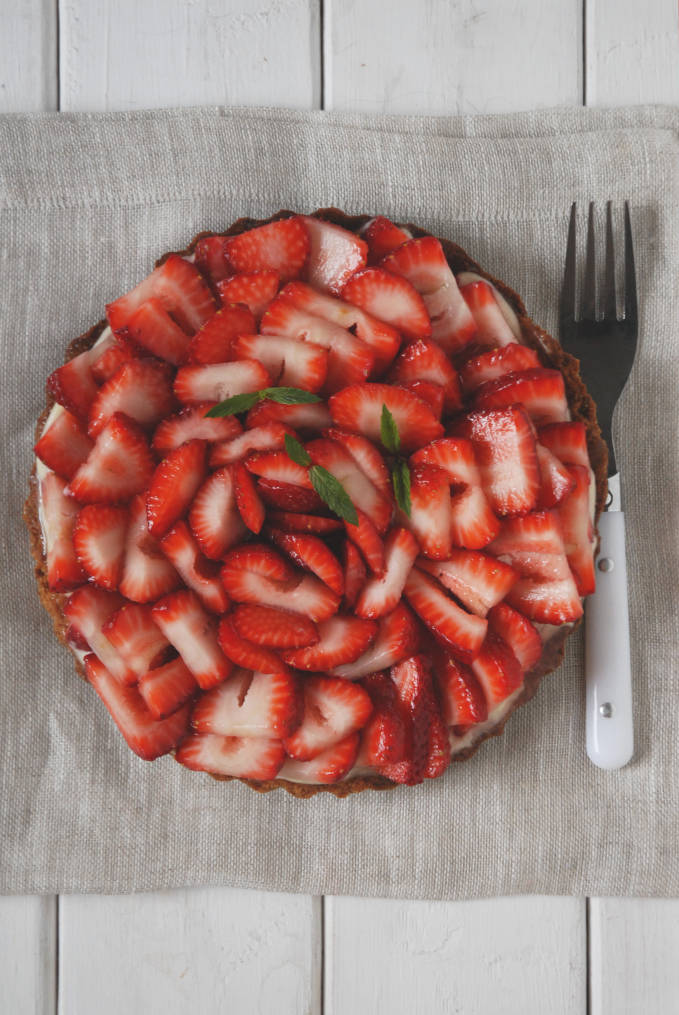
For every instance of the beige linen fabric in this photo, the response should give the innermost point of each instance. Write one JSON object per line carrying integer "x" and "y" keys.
{"x": 87, "y": 202}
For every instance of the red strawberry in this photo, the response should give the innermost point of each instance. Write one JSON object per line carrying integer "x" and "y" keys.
{"x": 313, "y": 417}
{"x": 333, "y": 709}
{"x": 132, "y": 631}
{"x": 341, "y": 640}
{"x": 364, "y": 495}
{"x": 327, "y": 767}
{"x": 497, "y": 669}
{"x": 239, "y": 757}
{"x": 389, "y": 298}
{"x": 464, "y": 703}
{"x": 277, "y": 629}
{"x": 248, "y": 501}
{"x": 192, "y": 424}
{"x": 210, "y": 257}
{"x": 147, "y": 574}
{"x": 355, "y": 573}
{"x": 214, "y": 517}
{"x": 178, "y": 286}
{"x": 215, "y": 382}
{"x": 461, "y": 632}
{"x": 191, "y": 630}
{"x": 268, "y": 437}
{"x": 431, "y": 511}
{"x": 556, "y": 482}
{"x": 108, "y": 355}
{"x": 568, "y": 441}
{"x": 366, "y": 537}
{"x": 290, "y": 521}
{"x": 359, "y": 408}
{"x": 311, "y": 553}
{"x": 99, "y": 539}
{"x": 382, "y": 236}
{"x": 199, "y": 573}
{"x": 578, "y": 533}
{"x": 281, "y": 246}
{"x": 477, "y": 580}
{"x": 251, "y": 705}
{"x": 167, "y": 688}
{"x": 367, "y": 457}
{"x": 334, "y": 254}
{"x": 257, "y": 558}
{"x": 118, "y": 466}
{"x": 214, "y": 341}
{"x": 426, "y": 361}
{"x": 153, "y": 329}
{"x": 384, "y": 738}
{"x": 491, "y": 325}
{"x": 246, "y": 653}
{"x": 141, "y": 389}
{"x": 288, "y": 497}
{"x": 64, "y": 445}
{"x": 279, "y": 468}
{"x": 541, "y": 392}
{"x": 287, "y": 360}
{"x": 517, "y": 632}
{"x": 255, "y": 290}
{"x": 87, "y": 610}
{"x": 174, "y": 485}
{"x": 59, "y": 514}
{"x": 397, "y": 637}
{"x": 257, "y": 574}
{"x": 381, "y": 595}
{"x": 427, "y": 751}
{"x": 495, "y": 363}
{"x": 147, "y": 736}
{"x": 72, "y": 385}
{"x": 431, "y": 394}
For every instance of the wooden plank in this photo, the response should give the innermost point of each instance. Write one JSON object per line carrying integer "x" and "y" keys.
{"x": 507, "y": 955}
{"x": 28, "y": 926}
{"x": 130, "y": 55}
{"x": 28, "y": 56}
{"x": 632, "y": 52}
{"x": 207, "y": 950}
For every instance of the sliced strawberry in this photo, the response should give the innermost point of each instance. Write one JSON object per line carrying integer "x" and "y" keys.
{"x": 151, "y": 328}
{"x": 495, "y": 363}
{"x": 213, "y": 343}
{"x": 381, "y": 595}
{"x": 277, "y": 629}
{"x": 75, "y": 639}
{"x": 364, "y": 495}
{"x": 191, "y": 630}
{"x": 541, "y": 391}
{"x": 180, "y": 289}
{"x": 383, "y": 740}
{"x": 397, "y": 637}
{"x": 257, "y": 574}
{"x": 426, "y": 361}
{"x": 431, "y": 511}
{"x": 355, "y": 573}
{"x": 147, "y": 736}
{"x": 192, "y": 424}
{"x": 199, "y": 573}
{"x": 464, "y": 703}
{"x": 118, "y": 466}
{"x": 147, "y": 574}
{"x": 287, "y": 361}
{"x": 214, "y": 517}
{"x": 556, "y": 482}
{"x": 455, "y": 455}
{"x": 359, "y": 408}
{"x": 327, "y": 767}
{"x": 517, "y": 632}
{"x": 247, "y": 653}
{"x": 281, "y": 246}
{"x": 578, "y": 533}
{"x": 167, "y": 688}
{"x": 268, "y": 437}
{"x": 238, "y": 757}
{"x": 497, "y": 669}
{"x": 366, "y": 456}
{"x": 251, "y": 705}
{"x": 87, "y": 610}
{"x": 290, "y": 521}
{"x": 333, "y": 709}
{"x": 491, "y": 326}
{"x": 64, "y": 445}
{"x": 431, "y": 394}
{"x": 366, "y": 537}
{"x": 427, "y": 750}
{"x": 132, "y": 631}
{"x": 383, "y": 236}
{"x": 461, "y": 632}
{"x": 141, "y": 389}
{"x": 257, "y": 558}
{"x": 334, "y": 254}
{"x": 288, "y": 497}
{"x": 255, "y": 290}
{"x": 59, "y": 514}
{"x": 312, "y": 417}
{"x": 215, "y": 382}
{"x": 478, "y": 580}
{"x": 108, "y": 355}
{"x": 568, "y": 441}
{"x": 279, "y": 468}
{"x": 174, "y": 485}
{"x": 341, "y": 640}
{"x": 99, "y": 538}
{"x": 72, "y": 385}
{"x": 389, "y": 298}
{"x": 210, "y": 257}
{"x": 248, "y": 501}
{"x": 311, "y": 553}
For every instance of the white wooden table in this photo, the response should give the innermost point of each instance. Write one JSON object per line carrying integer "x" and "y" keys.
{"x": 220, "y": 950}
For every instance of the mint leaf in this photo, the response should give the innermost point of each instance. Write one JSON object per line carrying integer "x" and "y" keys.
{"x": 296, "y": 451}
{"x": 239, "y": 403}
{"x": 332, "y": 493}
{"x": 400, "y": 480}
{"x": 389, "y": 431}
{"x": 289, "y": 396}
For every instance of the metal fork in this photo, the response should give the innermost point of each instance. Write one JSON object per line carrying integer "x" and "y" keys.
{"x": 605, "y": 344}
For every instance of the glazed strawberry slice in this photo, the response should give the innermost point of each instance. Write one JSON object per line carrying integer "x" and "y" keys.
{"x": 477, "y": 580}
{"x": 556, "y": 482}
{"x": 257, "y": 574}
{"x": 277, "y": 629}
{"x": 364, "y": 495}
{"x": 215, "y": 382}
{"x": 334, "y": 254}
{"x": 248, "y": 501}
{"x": 380, "y": 595}
{"x": 426, "y": 361}
{"x": 313, "y": 417}
{"x": 141, "y": 389}
{"x": 340, "y": 640}
{"x": 287, "y": 497}
{"x": 355, "y": 573}
{"x": 214, "y": 517}
{"x": 251, "y": 705}
{"x": 464, "y": 703}
{"x": 118, "y": 466}
{"x": 173, "y": 486}
{"x": 64, "y": 445}
{"x": 267, "y": 437}
{"x": 257, "y": 758}
{"x": 383, "y": 740}
{"x": 333, "y": 710}
{"x": 461, "y": 632}
{"x": 152, "y": 329}
{"x": 246, "y": 653}
{"x": 367, "y": 457}
{"x": 327, "y": 767}
{"x": 132, "y": 631}
{"x": 279, "y": 468}
{"x": 179, "y": 288}
{"x": 312, "y": 554}
{"x": 541, "y": 392}
{"x": 147, "y": 574}
{"x": 423, "y": 263}
{"x": 367, "y": 539}
{"x": 210, "y": 257}
{"x": 389, "y": 298}
{"x": 87, "y": 610}
{"x": 568, "y": 441}
{"x": 431, "y": 516}
{"x": 497, "y": 670}
{"x": 167, "y": 688}
{"x": 59, "y": 514}
{"x": 397, "y": 637}
{"x": 259, "y": 559}
{"x": 287, "y": 361}
{"x": 517, "y": 632}
{"x": 491, "y": 325}
{"x": 199, "y": 573}
{"x": 213, "y": 343}
{"x": 427, "y": 751}
{"x": 192, "y": 424}
{"x": 495, "y": 363}
{"x": 432, "y": 395}
{"x": 191, "y": 630}
{"x": 290, "y": 521}
{"x": 255, "y": 290}
{"x": 108, "y": 355}
{"x": 383, "y": 236}
{"x": 99, "y": 538}
{"x": 359, "y": 408}
{"x": 281, "y": 246}
{"x": 147, "y": 736}
{"x": 72, "y": 385}
{"x": 578, "y": 533}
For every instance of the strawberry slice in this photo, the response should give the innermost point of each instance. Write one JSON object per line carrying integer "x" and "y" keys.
{"x": 279, "y": 468}
{"x": 118, "y": 466}
{"x": 478, "y": 580}
{"x": 215, "y": 382}
{"x": 255, "y": 290}
{"x": 568, "y": 441}
{"x": 497, "y": 670}
{"x": 147, "y": 736}
{"x": 87, "y": 610}
{"x": 238, "y": 757}
{"x": 432, "y": 394}
{"x": 278, "y": 629}
{"x": 246, "y": 653}
{"x": 389, "y": 298}
{"x": 495, "y": 363}
{"x": 367, "y": 539}
{"x": 461, "y": 632}
{"x": 257, "y": 574}
{"x": 199, "y": 573}
{"x": 334, "y": 254}
{"x": 281, "y": 246}
{"x": 341, "y": 640}
{"x": 491, "y": 325}
{"x": 383, "y": 236}
{"x": 141, "y": 389}
{"x": 289, "y": 521}
{"x": 167, "y": 688}
{"x": 108, "y": 355}
{"x": 359, "y": 408}
{"x": 191, "y": 630}
{"x": 214, "y": 517}
{"x": 152, "y": 329}
{"x": 99, "y": 538}
{"x": 426, "y": 361}
{"x": 578, "y": 533}
{"x": 248, "y": 501}
{"x": 327, "y": 767}
{"x": 311, "y": 553}
{"x": 383, "y": 740}
{"x": 556, "y": 482}
{"x": 355, "y": 573}
{"x": 213, "y": 343}
{"x": 431, "y": 515}
{"x": 287, "y": 361}
{"x": 59, "y": 514}
{"x": 147, "y": 574}
{"x": 463, "y": 701}
{"x": 423, "y": 263}
{"x": 64, "y": 445}
{"x": 72, "y": 385}
{"x": 517, "y": 632}
{"x": 427, "y": 750}
{"x": 381, "y": 595}
{"x": 179, "y": 288}
{"x": 367, "y": 457}
{"x": 288, "y": 497}
{"x": 251, "y": 705}
{"x": 397, "y": 637}
{"x": 132, "y": 631}
{"x": 364, "y": 495}
{"x": 192, "y": 424}
{"x": 313, "y": 417}
{"x": 267, "y": 437}
{"x": 174, "y": 484}
{"x": 333, "y": 709}
{"x": 541, "y": 391}
{"x": 210, "y": 257}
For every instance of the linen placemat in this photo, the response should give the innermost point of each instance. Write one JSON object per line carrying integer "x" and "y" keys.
{"x": 87, "y": 202}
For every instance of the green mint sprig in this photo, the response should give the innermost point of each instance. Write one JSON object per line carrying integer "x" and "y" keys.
{"x": 328, "y": 488}
{"x": 245, "y": 401}
{"x": 400, "y": 473}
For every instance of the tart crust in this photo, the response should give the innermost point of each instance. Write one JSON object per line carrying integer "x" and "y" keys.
{"x": 550, "y": 353}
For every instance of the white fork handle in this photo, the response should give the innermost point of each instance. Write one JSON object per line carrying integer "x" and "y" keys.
{"x": 609, "y": 724}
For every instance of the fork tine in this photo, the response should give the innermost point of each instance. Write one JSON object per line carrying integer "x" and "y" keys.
{"x": 610, "y": 307}
{"x": 589, "y": 285}
{"x": 630, "y": 274}
{"x": 567, "y": 305}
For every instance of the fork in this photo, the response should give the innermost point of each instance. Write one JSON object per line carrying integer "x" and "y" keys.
{"x": 605, "y": 344}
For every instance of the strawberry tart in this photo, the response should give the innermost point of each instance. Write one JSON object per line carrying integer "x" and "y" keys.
{"x": 315, "y": 506}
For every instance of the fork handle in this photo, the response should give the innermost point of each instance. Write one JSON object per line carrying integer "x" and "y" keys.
{"x": 609, "y": 724}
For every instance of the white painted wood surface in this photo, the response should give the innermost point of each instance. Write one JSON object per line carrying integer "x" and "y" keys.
{"x": 28, "y": 954}
{"x": 28, "y": 55}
